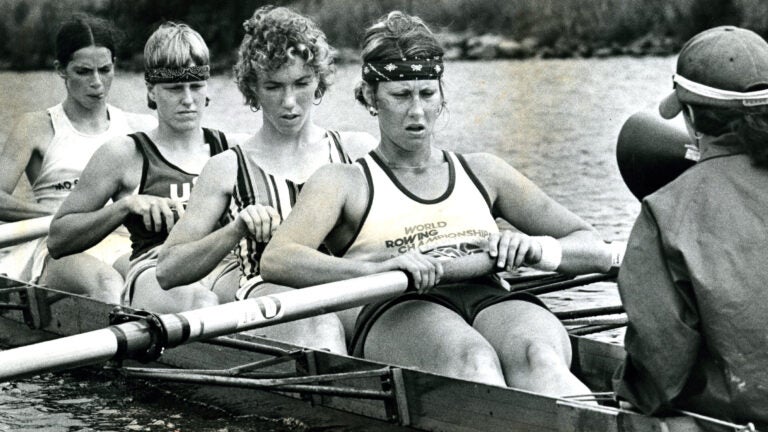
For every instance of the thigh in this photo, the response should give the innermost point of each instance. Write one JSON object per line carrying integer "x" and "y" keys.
{"x": 227, "y": 285}
{"x": 149, "y": 295}
{"x": 434, "y": 338}
{"x": 84, "y": 274}
{"x": 512, "y": 326}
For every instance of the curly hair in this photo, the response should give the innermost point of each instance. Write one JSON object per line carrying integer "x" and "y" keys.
{"x": 395, "y": 36}
{"x": 274, "y": 36}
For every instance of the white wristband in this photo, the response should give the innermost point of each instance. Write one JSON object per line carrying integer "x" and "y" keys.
{"x": 551, "y": 253}
{"x": 617, "y": 249}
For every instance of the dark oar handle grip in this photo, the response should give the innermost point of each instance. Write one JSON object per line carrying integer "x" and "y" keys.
{"x": 468, "y": 267}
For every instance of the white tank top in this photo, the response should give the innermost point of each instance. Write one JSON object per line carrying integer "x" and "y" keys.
{"x": 396, "y": 221}
{"x": 69, "y": 152}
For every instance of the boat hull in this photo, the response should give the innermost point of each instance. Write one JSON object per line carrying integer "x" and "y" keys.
{"x": 421, "y": 401}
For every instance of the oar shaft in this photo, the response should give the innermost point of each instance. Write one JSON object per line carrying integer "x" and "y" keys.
{"x": 135, "y": 337}
{"x": 13, "y": 233}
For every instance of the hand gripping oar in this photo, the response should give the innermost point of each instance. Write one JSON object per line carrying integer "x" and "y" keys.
{"x": 13, "y": 233}
{"x": 136, "y": 338}
{"x": 650, "y": 153}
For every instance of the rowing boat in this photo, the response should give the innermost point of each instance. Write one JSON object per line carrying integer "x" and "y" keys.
{"x": 245, "y": 374}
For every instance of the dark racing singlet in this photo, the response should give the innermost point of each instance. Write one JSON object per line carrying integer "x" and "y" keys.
{"x": 161, "y": 178}
{"x": 253, "y": 186}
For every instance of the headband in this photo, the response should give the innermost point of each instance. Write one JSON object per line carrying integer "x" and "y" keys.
{"x": 177, "y": 75}
{"x": 403, "y": 69}
{"x": 700, "y": 93}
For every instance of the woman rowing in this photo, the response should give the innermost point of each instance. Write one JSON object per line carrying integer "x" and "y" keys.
{"x": 53, "y": 147}
{"x": 407, "y": 206}
{"x": 149, "y": 175}
{"x": 284, "y": 67}
{"x": 693, "y": 281}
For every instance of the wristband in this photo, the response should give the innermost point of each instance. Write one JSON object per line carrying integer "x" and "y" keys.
{"x": 551, "y": 253}
{"x": 617, "y": 249}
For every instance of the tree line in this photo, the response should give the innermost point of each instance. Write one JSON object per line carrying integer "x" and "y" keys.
{"x": 550, "y": 28}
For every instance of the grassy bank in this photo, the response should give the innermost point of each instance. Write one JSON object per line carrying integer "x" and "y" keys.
{"x": 471, "y": 28}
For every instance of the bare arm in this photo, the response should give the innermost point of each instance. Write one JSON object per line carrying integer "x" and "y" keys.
{"x": 83, "y": 219}
{"x": 335, "y": 195}
{"x": 29, "y": 133}
{"x": 528, "y": 208}
{"x": 195, "y": 246}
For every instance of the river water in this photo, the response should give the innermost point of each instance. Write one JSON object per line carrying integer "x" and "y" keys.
{"x": 554, "y": 120}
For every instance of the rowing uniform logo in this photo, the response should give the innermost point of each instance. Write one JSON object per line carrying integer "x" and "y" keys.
{"x": 439, "y": 239}
{"x": 66, "y": 185}
{"x": 186, "y": 190}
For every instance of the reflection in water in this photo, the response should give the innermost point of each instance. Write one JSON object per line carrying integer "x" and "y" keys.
{"x": 554, "y": 120}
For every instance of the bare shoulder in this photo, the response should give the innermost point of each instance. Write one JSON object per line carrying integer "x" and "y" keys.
{"x": 118, "y": 151}
{"x": 33, "y": 129}
{"x": 358, "y": 144}
{"x": 340, "y": 177}
{"x": 488, "y": 165}
{"x": 140, "y": 122}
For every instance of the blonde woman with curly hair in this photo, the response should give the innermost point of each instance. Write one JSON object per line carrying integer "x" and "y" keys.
{"x": 285, "y": 65}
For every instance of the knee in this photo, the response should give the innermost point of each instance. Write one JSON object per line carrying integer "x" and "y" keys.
{"x": 543, "y": 356}
{"x": 476, "y": 362}
{"x": 325, "y": 326}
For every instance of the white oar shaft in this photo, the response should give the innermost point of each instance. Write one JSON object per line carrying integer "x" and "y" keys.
{"x": 101, "y": 345}
{"x": 13, "y": 233}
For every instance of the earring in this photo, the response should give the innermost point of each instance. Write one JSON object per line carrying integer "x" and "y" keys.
{"x": 373, "y": 111}
{"x": 318, "y": 101}
{"x": 207, "y": 101}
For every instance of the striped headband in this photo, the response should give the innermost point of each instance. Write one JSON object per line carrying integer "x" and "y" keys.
{"x": 403, "y": 70}
{"x": 177, "y": 75}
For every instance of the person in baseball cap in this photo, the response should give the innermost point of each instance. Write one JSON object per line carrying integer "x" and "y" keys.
{"x": 692, "y": 280}
{"x": 721, "y": 67}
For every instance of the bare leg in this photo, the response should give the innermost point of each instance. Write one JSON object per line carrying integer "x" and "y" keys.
{"x": 435, "y": 339}
{"x": 122, "y": 264}
{"x": 533, "y": 347}
{"x": 226, "y": 286}
{"x": 321, "y": 332}
{"x": 149, "y": 295}
{"x": 84, "y": 274}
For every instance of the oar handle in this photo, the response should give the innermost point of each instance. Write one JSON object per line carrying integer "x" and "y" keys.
{"x": 13, "y": 233}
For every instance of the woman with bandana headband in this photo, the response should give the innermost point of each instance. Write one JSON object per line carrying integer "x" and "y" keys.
{"x": 409, "y": 206}
{"x": 285, "y": 65}
{"x": 53, "y": 146}
{"x": 149, "y": 176}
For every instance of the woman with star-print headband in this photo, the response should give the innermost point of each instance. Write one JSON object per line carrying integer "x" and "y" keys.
{"x": 410, "y": 206}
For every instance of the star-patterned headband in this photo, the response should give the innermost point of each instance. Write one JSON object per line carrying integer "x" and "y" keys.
{"x": 404, "y": 69}
{"x": 175, "y": 75}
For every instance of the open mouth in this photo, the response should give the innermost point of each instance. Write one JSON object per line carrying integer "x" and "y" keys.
{"x": 415, "y": 128}
{"x": 290, "y": 116}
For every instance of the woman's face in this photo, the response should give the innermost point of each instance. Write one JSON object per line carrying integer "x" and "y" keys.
{"x": 286, "y": 96}
{"x": 408, "y": 111}
{"x": 88, "y": 76}
{"x": 180, "y": 105}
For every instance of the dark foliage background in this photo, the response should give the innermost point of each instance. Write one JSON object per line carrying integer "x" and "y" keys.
{"x": 558, "y": 28}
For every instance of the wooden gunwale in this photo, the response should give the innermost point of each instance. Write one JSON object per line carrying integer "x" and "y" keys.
{"x": 424, "y": 401}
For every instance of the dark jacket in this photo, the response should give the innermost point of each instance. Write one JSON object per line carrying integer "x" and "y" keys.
{"x": 694, "y": 282}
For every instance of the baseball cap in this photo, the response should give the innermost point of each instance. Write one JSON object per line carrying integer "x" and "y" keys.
{"x": 720, "y": 67}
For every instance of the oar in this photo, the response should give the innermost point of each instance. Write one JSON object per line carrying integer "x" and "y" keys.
{"x": 138, "y": 337}
{"x": 650, "y": 152}
{"x": 13, "y": 233}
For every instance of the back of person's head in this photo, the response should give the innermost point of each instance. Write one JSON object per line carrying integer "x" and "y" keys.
{"x": 175, "y": 45}
{"x": 721, "y": 84}
{"x": 397, "y": 36}
{"x": 82, "y": 31}
{"x": 274, "y": 37}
